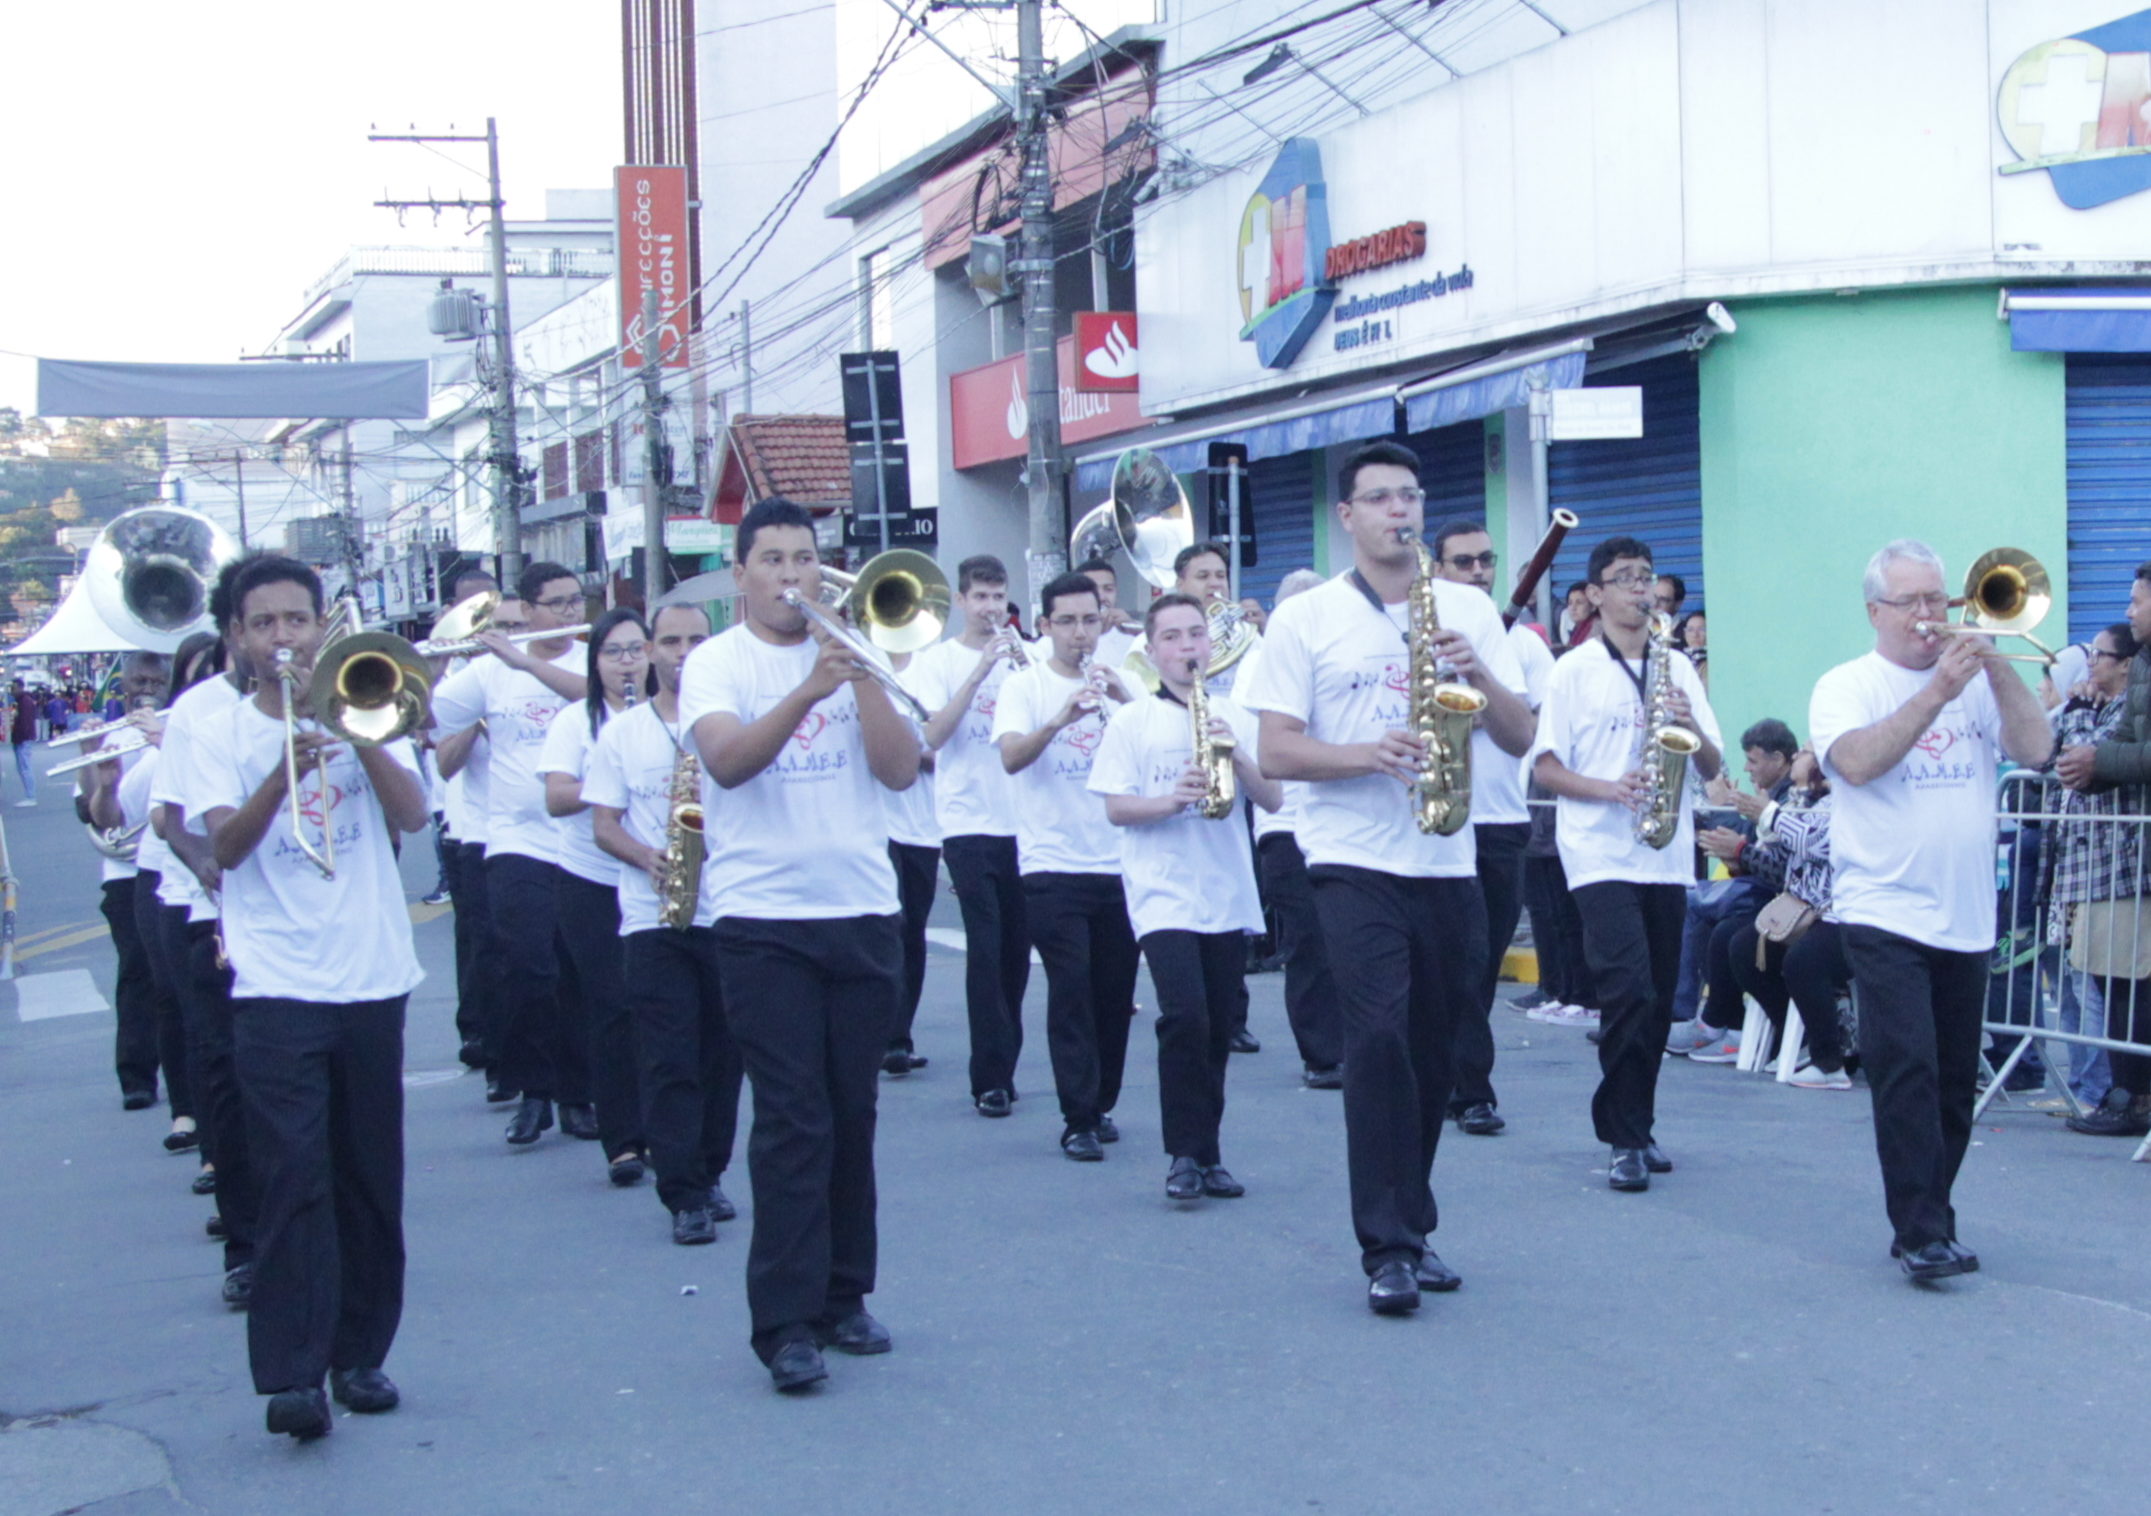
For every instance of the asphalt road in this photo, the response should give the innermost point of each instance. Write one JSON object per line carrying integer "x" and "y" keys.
{"x": 1067, "y": 1340}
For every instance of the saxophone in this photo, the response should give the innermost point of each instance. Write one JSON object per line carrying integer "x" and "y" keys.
{"x": 1665, "y": 748}
{"x": 1212, "y": 752}
{"x": 1442, "y": 712}
{"x": 684, "y": 845}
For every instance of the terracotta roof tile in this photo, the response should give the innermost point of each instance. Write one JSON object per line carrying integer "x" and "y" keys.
{"x": 800, "y": 457}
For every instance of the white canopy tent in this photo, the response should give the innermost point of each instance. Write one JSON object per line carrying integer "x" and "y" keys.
{"x": 74, "y": 628}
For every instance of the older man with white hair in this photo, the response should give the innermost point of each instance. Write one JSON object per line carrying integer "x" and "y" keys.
{"x": 1909, "y": 735}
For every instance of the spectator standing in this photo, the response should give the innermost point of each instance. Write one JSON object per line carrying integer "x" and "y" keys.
{"x": 22, "y": 732}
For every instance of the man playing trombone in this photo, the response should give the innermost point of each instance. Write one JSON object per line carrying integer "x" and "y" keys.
{"x": 323, "y": 966}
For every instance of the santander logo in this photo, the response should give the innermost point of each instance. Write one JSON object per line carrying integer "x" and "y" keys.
{"x": 1019, "y": 409}
{"x": 1115, "y": 357}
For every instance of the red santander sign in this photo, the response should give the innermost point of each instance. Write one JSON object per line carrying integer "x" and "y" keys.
{"x": 990, "y": 414}
{"x": 650, "y": 206}
{"x": 1107, "y": 358}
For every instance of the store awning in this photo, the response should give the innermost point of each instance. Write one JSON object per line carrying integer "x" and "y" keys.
{"x": 2111, "y": 319}
{"x": 1500, "y": 383}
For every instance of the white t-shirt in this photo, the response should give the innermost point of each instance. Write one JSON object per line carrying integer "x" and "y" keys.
{"x": 973, "y": 794}
{"x": 567, "y": 751}
{"x": 1592, "y": 721}
{"x": 1286, "y": 816}
{"x": 1114, "y": 645}
{"x": 1331, "y": 660}
{"x": 119, "y": 868}
{"x": 1185, "y": 873}
{"x": 630, "y": 771}
{"x": 177, "y": 779}
{"x": 288, "y": 931}
{"x": 516, "y": 708}
{"x": 1912, "y": 850}
{"x": 1060, "y": 825}
{"x": 154, "y": 854}
{"x": 805, "y": 839}
{"x": 1497, "y": 778}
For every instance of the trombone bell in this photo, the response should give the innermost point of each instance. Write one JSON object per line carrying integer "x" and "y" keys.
{"x": 2006, "y": 594}
{"x": 900, "y": 599}
{"x": 370, "y": 688}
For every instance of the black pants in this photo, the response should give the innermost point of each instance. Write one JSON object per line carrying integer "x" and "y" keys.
{"x": 918, "y": 869}
{"x": 2128, "y": 1019}
{"x": 1406, "y": 956}
{"x": 443, "y": 845}
{"x": 1196, "y": 974}
{"x": 536, "y": 1055}
{"x": 1631, "y": 940}
{"x": 1501, "y": 887}
{"x": 134, "y": 995}
{"x": 1920, "y": 1011}
{"x": 324, "y": 1110}
{"x": 150, "y": 931}
{"x": 476, "y": 970}
{"x": 1310, "y": 993}
{"x": 1080, "y": 925}
{"x": 1808, "y": 973}
{"x": 997, "y": 954}
{"x": 1556, "y": 931}
{"x": 205, "y": 1000}
{"x": 590, "y": 937}
{"x": 811, "y": 1004}
{"x": 1722, "y": 1007}
{"x": 690, "y": 1063}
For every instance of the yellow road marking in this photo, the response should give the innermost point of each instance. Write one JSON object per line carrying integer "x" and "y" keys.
{"x": 60, "y": 944}
{"x": 53, "y": 931}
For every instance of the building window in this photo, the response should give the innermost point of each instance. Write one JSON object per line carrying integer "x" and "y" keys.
{"x": 877, "y": 302}
{"x": 554, "y": 475}
{"x": 590, "y": 462}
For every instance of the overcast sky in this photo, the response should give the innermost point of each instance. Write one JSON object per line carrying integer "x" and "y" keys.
{"x": 178, "y": 175}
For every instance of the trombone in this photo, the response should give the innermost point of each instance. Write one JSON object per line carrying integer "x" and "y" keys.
{"x": 456, "y": 634}
{"x": 2006, "y": 594}
{"x": 900, "y": 600}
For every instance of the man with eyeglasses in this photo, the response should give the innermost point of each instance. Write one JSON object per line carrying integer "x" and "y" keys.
{"x": 515, "y": 690}
{"x": 1400, "y": 909}
{"x": 1500, "y": 825}
{"x": 1632, "y": 898}
{"x": 1048, "y": 724}
{"x": 1909, "y": 735}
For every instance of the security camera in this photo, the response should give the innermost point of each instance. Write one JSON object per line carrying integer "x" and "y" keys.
{"x": 1721, "y": 318}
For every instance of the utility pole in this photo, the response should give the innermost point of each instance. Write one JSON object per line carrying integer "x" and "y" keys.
{"x": 746, "y": 357}
{"x": 239, "y": 489}
{"x": 347, "y": 524}
{"x": 1047, "y": 556}
{"x": 507, "y": 459}
{"x": 656, "y": 470}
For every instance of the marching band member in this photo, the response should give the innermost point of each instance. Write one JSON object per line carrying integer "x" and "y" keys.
{"x": 960, "y": 681}
{"x": 799, "y": 738}
{"x": 689, "y": 1071}
{"x": 1908, "y": 735}
{"x": 323, "y": 969}
{"x": 1400, "y": 908}
{"x": 915, "y": 854}
{"x": 1190, "y": 881}
{"x": 1122, "y": 631}
{"x": 1592, "y": 753}
{"x": 143, "y": 679}
{"x": 516, "y": 692}
{"x": 1048, "y": 725}
{"x": 461, "y": 764}
{"x": 588, "y": 884}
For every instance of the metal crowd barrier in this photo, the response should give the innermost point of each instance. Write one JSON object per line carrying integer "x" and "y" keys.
{"x": 2067, "y": 888}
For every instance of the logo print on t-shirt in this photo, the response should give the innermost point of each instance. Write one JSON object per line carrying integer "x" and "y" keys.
{"x": 811, "y": 726}
{"x": 1936, "y": 741}
{"x": 310, "y": 805}
{"x": 531, "y": 718}
{"x": 1083, "y": 736}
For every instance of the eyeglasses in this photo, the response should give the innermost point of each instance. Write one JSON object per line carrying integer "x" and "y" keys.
{"x": 559, "y": 603}
{"x": 626, "y": 654}
{"x": 2100, "y": 652}
{"x": 1935, "y": 603}
{"x": 1087, "y": 623}
{"x": 1380, "y": 498}
{"x": 1629, "y": 581}
{"x": 1465, "y": 562}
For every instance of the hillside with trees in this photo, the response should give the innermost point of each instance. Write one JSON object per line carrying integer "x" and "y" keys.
{"x": 78, "y": 473}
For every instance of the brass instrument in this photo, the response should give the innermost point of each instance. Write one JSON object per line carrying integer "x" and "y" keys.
{"x": 900, "y": 599}
{"x": 686, "y": 845}
{"x": 1442, "y": 711}
{"x": 119, "y": 843}
{"x": 471, "y": 647}
{"x": 150, "y": 572}
{"x": 1665, "y": 747}
{"x": 324, "y": 856}
{"x": 2006, "y": 594}
{"x": 1212, "y": 753}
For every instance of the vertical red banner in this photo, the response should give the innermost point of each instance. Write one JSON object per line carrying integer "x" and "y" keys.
{"x": 650, "y": 207}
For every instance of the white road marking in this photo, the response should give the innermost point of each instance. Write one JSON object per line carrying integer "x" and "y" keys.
{"x": 62, "y": 992}
{"x": 941, "y": 936}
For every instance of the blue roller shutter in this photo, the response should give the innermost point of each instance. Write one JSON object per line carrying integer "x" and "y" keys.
{"x": 2109, "y": 423}
{"x": 1649, "y": 487}
{"x": 1282, "y": 494}
{"x": 1452, "y": 470}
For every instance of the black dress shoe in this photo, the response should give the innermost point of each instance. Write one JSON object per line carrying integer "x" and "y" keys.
{"x": 204, "y": 1181}
{"x": 1628, "y": 1171}
{"x": 1965, "y": 1255}
{"x": 1480, "y": 1120}
{"x": 303, "y": 1414}
{"x": 238, "y": 1289}
{"x": 1243, "y": 1041}
{"x": 1595, "y": 1036}
{"x": 1935, "y": 1260}
{"x": 366, "y": 1391}
{"x": 497, "y": 1093}
{"x": 797, "y": 1366}
{"x": 137, "y": 1100}
{"x": 1654, "y": 1159}
{"x": 857, "y": 1334}
{"x": 1183, "y": 1181}
{"x": 896, "y": 1061}
{"x": 472, "y": 1054}
{"x": 1107, "y": 1132}
{"x": 215, "y": 1227}
{"x": 1218, "y": 1183}
{"x": 1083, "y": 1147}
{"x": 1392, "y": 1291}
{"x": 693, "y": 1225}
{"x": 182, "y": 1142}
{"x": 1329, "y": 1078}
{"x": 579, "y": 1121}
{"x": 1434, "y": 1276}
{"x": 721, "y": 1206}
{"x": 627, "y": 1169}
{"x": 2114, "y": 1116}
{"x": 533, "y": 1116}
{"x": 993, "y": 1103}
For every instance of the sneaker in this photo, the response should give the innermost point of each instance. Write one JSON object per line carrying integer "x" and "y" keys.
{"x": 1808, "y": 1077}
{"x": 1570, "y": 1015}
{"x": 1531, "y": 999}
{"x": 438, "y": 897}
{"x": 2115, "y": 1117}
{"x": 1545, "y": 1010}
{"x": 1691, "y": 1036}
{"x": 1724, "y": 1048}
{"x": 21, "y": 803}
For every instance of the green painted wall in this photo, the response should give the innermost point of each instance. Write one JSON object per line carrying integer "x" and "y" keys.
{"x": 1831, "y": 424}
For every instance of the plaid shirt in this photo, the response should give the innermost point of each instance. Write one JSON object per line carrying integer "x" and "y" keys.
{"x": 2096, "y": 858}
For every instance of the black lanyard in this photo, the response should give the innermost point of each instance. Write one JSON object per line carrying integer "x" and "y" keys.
{"x": 1359, "y": 582}
{"x": 1635, "y": 676}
